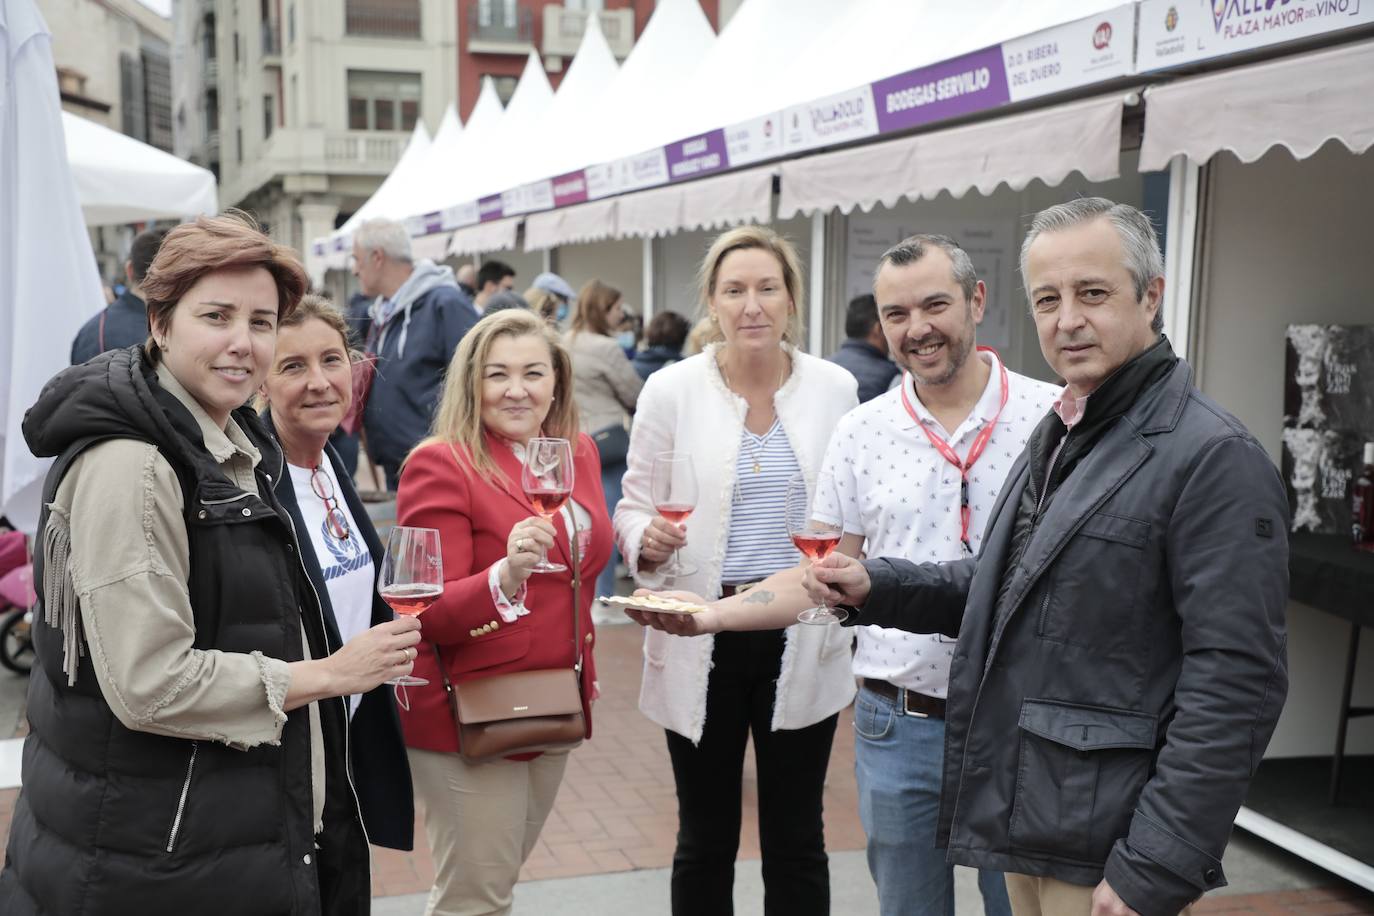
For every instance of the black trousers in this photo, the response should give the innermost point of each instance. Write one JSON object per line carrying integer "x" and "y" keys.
{"x": 791, "y": 775}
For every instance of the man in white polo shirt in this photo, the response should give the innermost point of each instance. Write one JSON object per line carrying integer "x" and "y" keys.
{"x": 916, "y": 472}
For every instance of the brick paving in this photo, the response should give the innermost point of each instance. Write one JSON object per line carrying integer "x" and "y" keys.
{"x": 617, "y": 812}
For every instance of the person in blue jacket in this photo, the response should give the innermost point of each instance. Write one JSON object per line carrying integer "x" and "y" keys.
{"x": 124, "y": 322}
{"x": 418, "y": 318}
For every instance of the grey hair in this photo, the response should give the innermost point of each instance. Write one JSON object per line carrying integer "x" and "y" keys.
{"x": 1139, "y": 242}
{"x": 384, "y": 235}
{"x": 912, "y": 248}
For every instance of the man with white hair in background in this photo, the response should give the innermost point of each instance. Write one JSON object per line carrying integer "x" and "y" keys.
{"x": 419, "y": 316}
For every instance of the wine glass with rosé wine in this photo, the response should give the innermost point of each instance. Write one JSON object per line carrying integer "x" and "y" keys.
{"x": 673, "y": 485}
{"x": 813, "y": 523}
{"x": 547, "y": 480}
{"x": 412, "y": 578}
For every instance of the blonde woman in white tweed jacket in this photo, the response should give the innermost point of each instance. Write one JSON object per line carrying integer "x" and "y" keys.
{"x": 753, "y": 402}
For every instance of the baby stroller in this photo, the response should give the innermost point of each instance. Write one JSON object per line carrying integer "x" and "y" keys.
{"x": 17, "y": 598}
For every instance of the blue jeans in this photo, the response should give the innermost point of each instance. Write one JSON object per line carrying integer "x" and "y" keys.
{"x": 898, "y": 761}
{"x": 610, "y": 482}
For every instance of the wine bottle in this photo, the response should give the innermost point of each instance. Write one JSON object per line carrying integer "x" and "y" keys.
{"x": 1362, "y": 500}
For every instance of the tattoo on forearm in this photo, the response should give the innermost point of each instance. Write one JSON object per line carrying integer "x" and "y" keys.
{"x": 759, "y": 597}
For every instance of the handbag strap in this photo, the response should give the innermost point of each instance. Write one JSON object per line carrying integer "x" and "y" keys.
{"x": 576, "y": 609}
{"x": 577, "y": 599}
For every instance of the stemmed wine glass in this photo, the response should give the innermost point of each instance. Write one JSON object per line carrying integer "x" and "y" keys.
{"x": 412, "y": 578}
{"x": 547, "y": 480}
{"x": 812, "y": 503}
{"x": 673, "y": 485}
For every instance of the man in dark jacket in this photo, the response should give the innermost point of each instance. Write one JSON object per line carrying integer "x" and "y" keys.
{"x": 418, "y": 319}
{"x": 1121, "y": 660}
{"x": 864, "y": 354}
{"x": 123, "y": 322}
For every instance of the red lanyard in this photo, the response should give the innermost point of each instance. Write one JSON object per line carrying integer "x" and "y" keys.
{"x": 980, "y": 442}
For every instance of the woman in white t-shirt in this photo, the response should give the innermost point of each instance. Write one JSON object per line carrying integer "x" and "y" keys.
{"x": 308, "y": 391}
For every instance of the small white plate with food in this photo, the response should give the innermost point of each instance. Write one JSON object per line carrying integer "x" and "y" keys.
{"x": 659, "y": 604}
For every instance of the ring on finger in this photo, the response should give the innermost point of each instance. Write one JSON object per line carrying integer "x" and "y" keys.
{"x": 519, "y": 544}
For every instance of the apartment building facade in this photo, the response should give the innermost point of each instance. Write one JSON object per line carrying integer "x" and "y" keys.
{"x": 302, "y": 108}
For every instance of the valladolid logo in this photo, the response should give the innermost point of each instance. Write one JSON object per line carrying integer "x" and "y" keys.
{"x": 1171, "y": 19}
{"x": 1102, "y": 36}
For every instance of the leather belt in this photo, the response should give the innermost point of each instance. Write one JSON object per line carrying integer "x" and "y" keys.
{"x": 727, "y": 590}
{"x": 908, "y": 701}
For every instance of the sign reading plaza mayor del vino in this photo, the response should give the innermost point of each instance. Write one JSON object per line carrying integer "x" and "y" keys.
{"x": 1177, "y": 32}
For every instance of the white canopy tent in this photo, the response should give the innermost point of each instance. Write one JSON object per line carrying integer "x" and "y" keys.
{"x": 395, "y": 186}
{"x": 739, "y": 75}
{"x": 441, "y": 177}
{"x": 48, "y": 280}
{"x": 487, "y": 163}
{"x": 677, "y": 35}
{"x": 121, "y": 180}
{"x": 483, "y": 163}
{"x": 580, "y": 96}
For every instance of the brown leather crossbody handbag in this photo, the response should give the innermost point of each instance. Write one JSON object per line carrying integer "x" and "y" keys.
{"x": 524, "y": 711}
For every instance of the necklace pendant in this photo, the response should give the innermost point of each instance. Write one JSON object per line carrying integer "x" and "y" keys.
{"x": 758, "y": 469}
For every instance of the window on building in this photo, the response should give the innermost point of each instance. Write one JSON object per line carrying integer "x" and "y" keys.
{"x": 379, "y": 100}
{"x": 496, "y": 12}
{"x": 237, "y": 54}
{"x": 132, "y": 114}
{"x": 212, "y": 109}
{"x": 382, "y": 18}
{"x": 587, "y": 6}
{"x": 504, "y": 85}
{"x": 157, "y": 97}
{"x": 209, "y": 52}
{"x": 238, "y": 144}
{"x": 269, "y": 115}
{"x": 291, "y": 24}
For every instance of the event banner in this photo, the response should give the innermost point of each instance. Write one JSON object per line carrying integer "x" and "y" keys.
{"x": 1328, "y": 415}
{"x": 696, "y": 156}
{"x": 490, "y": 208}
{"x": 570, "y": 189}
{"x": 835, "y": 119}
{"x": 950, "y": 89}
{"x": 1176, "y": 32}
{"x": 1071, "y": 55}
{"x": 754, "y": 140}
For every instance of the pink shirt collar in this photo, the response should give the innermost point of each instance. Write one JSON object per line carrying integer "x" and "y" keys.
{"x": 1070, "y": 408}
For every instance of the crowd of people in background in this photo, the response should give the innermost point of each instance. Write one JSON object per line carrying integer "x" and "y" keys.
{"x": 211, "y": 577}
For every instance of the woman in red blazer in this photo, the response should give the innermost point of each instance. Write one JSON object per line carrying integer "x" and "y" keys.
{"x": 510, "y": 380}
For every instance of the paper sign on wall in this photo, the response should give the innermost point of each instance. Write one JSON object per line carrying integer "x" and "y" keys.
{"x": 991, "y": 246}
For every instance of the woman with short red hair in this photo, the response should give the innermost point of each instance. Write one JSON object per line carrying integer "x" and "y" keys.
{"x": 181, "y": 743}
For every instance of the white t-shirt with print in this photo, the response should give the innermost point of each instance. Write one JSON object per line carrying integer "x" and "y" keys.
{"x": 346, "y": 565}
{"x": 902, "y": 495}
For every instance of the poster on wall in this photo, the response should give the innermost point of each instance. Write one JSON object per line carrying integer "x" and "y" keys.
{"x": 991, "y": 245}
{"x": 1328, "y": 414}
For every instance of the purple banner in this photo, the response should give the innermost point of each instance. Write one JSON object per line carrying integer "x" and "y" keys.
{"x": 434, "y": 222}
{"x": 489, "y": 208}
{"x": 570, "y": 188}
{"x": 949, "y": 89}
{"x": 697, "y": 156}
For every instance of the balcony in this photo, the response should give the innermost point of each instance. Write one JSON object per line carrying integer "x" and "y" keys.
{"x": 492, "y": 29}
{"x": 382, "y": 19}
{"x": 313, "y": 157}
{"x": 563, "y": 30}
{"x": 271, "y": 42}
{"x": 209, "y": 71}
